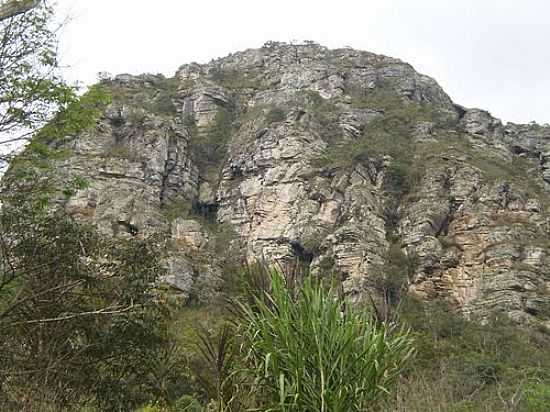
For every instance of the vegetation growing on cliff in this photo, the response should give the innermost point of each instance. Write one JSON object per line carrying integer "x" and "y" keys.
{"x": 35, "y": 163}
{"x": 210, "y": 143}
{"x": 87, "y": 322}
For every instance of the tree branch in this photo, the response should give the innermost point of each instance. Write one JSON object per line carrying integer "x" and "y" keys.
{"x": 105, "y": 311}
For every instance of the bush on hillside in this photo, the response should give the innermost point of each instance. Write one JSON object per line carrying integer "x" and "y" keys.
{"x": 306, "y": 350}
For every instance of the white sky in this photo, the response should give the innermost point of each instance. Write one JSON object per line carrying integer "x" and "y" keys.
{"x": 491, "y": 54}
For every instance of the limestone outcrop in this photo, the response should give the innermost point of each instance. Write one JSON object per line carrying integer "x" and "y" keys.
{"x": 343, "y": 160}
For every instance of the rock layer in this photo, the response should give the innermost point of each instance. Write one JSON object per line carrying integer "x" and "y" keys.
{"x": 342, "y": 160}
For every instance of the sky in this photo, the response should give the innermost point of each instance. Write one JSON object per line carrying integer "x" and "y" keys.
{"x": 489, "y": 54}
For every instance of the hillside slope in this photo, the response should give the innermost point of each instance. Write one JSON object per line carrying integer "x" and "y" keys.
{"x": 341, "y": 159}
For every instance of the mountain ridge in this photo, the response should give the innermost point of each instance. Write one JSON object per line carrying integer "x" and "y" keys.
{"x": 343, "y": 160}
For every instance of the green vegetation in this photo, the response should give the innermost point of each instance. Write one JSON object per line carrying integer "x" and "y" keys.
{"x": 155, "y": 95}
{"x": 163, "y": 102}
{"x": 324, "y": 113}
{"x": 246, "y": 353}
{"x": 32, "y": 174}
{"x": 221, "y": 235}
{"x": 537, "y": 397}
{"x": 459, "y": 365}
{"x": 123, "y": 151}
{"x": 79, "y": 115}
{"x": 349, "y": 363}
{"x": 275, "y": 115}
{"x": 177, "y": 209}
{"x": 241, "y": 352}
{"x": 85, "y": 325}
{"x": 386, "y": 145}
{"x": 80, "y": 320}
{"x": 463, "y": 365}
{"x": 390, "y": 135}
{"x": 31, "y": 89}
{"x": 391, "y": 280}
{"x": 209, "y": 146}
{"x": 493, "y": 169}
{"x": 234, "y": 79}
{"x": 77, "y": 314}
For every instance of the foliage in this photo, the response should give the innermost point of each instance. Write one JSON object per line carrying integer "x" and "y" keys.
{"x": 387, "y": 140}
{"x": 32, "y": 175}
{"x": 391, "y": 281}
{"x": 493, "y": 168}
{"x": 123, "y": 151}
{"x": 79, "y": 312}
{"x": 31, "y": 89}
{"x": 275, "y": 115}
{"x": 76, "y": 117}
{"x": 349, "y": 362}
{"x": 460, "y": 365}
{"x": 233, "y": 78}
{"x": 209, "y": 146}
{"x": 215, "y": 372}
{"x": 221, "y": 236}
{"x": 146, "y": 93}
{"x": 475, "y": 365}
{"x": 324, "y": 113}
{"x": 77, "y": 325}
{"x": 80, "y": 319}
{"x": 155, "y": 407}
{"x": 179, "y": 208}
{"x": 537, "y": 397}
{"x": 187, "y": 403}
{"x": 163, "y": 102}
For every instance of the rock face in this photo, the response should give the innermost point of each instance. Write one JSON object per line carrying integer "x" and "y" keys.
{"x": 343, "y": 160}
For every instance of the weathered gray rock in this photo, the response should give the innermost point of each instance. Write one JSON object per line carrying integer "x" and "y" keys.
{"x": 333, "y": 158}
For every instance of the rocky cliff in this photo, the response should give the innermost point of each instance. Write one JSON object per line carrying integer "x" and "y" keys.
{"x": 342, "y": 160}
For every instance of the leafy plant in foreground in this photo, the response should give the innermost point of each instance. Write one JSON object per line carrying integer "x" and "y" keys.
{"x": 308, "y": 351}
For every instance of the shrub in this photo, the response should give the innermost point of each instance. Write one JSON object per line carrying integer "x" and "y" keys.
{"x": 324, "y": 112}
{"x": 179, "y": 208}
{"x": 163, "y": 102}
{"x": 122, "y": 151}
{"x": 76, "y": 314}
{"x": 390, "y": 282}
{"x": 209, "y": 146}
{"x": 308, "y": 351}
{"x": 158, "y": 95}
{"x": 151, "y": 408}
{"x": 275, "y": 115}
{"x": 215, "y": 371}
{"x": 186, "y": 404}
{"x": 537, "y": 398}
{"x": 234, "y": 79}
{"x": 470, "y": 366}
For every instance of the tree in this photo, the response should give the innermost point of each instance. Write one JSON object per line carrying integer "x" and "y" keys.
{"x": 81, "y": 319}
{"x": 79, "y": 316}
{"x": 31, "y": 88}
